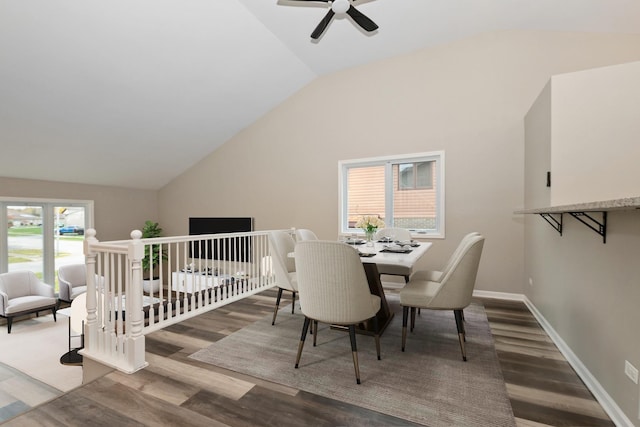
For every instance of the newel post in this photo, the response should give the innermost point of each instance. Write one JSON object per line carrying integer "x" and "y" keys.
{"x": 134, "y": 347}
{"x": 91, "y": 328}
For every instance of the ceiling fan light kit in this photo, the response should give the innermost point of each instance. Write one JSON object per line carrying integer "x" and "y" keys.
{"x": 341, "y": 7}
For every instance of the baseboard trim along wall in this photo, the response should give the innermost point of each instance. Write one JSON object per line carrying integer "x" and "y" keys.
{"x": 608, "y": 404}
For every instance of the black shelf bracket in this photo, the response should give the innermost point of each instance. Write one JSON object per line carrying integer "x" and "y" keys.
{"x": 599, "y": 227}
{"x": 555, "y": 223}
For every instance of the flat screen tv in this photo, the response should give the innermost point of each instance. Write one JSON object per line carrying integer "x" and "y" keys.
{"x": 231, "y": 249}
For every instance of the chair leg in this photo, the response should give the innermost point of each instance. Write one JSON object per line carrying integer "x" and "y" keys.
{"x": 458, "y": 316}
{"x": 305, "y": 328}
{"x": 315, "y": 331}
{"x": 53, "y": 310}
{"x": 354, "y": 351}
{"x": 377, "y": 335}
{"x": 293, "y": 302}
{"x": 275, "y": 310}
{"x": 9, "y": 323}
{"x": 405, "y": 315}
{"x": 413, "y": 318}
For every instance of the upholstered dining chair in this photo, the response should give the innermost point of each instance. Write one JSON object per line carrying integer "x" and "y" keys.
{"x": 452, "y": 292}
{"x": 72, "y": 279}
{"x": 281, "y": 244}
{"x": 305, "y": 234}
{"x": 435, "y": 275}
{"x": 333, "y": 289}
{"x": 395, "y": 234}
{"x": 21, "y": 292}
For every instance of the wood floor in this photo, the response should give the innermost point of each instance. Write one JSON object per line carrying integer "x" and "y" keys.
{"x": 176, "y": 390}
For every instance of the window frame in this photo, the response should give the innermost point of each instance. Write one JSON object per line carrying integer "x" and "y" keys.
{"x": 47, "y": 205}
{"x": 438, "y": 157}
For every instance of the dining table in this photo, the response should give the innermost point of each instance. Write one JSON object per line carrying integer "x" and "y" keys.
{"x": 372, "y": 254}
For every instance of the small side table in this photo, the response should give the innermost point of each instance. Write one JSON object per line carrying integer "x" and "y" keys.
{"x": 72, "y": 357}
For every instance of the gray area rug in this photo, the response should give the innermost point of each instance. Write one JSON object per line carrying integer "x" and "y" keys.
{"x": 428, "y": 384}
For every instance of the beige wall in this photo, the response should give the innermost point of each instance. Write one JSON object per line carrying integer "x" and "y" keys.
{"x": 587, "y": 291}
{"x": 595, "y": 118}
{"x": 467, "y": 98}
{"x": 117, "y": 211}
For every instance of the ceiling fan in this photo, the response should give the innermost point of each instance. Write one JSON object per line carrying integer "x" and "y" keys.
{"x": 340, "y": 7}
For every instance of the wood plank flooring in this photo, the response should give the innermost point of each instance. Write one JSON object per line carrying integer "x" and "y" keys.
{"x": 176, "y": 390}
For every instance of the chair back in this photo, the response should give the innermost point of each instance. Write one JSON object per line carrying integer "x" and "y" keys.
{"x": 305, "y": 234}
{"x": 400, "y": 234}
{"x": 17, "y": 284}
{"x": 73, "y": 274}
{"x": 281, "y": 244}
{"x": 458, "y": 282}
{"x": 456, "y": 254}
{"x": 332, "y": 283}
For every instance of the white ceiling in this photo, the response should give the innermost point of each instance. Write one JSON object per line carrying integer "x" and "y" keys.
{"x": 132, "y": 93}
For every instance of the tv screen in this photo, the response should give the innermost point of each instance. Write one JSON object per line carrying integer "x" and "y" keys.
{"x": 231, "y": 249}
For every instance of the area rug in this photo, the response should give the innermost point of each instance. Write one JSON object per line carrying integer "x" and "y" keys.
{"x": 34, "y": 347}
{"x": 428, "y": 384}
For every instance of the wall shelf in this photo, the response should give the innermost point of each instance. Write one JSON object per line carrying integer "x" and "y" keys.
{"x": 583, "y": 212}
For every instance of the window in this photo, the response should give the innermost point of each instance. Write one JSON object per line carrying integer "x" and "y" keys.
{"x": 404, "y": 191}
{"x": 40, "y": 235}
{"x": 413, "y": 176}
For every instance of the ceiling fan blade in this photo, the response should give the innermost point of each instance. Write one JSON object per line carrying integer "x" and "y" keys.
{"x": 366, "y": 23}
{"x": 323, "y": 24}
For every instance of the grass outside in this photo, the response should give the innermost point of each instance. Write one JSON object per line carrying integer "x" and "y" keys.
{"x": 37, "y": 231}
{"x": 29, "y": 255}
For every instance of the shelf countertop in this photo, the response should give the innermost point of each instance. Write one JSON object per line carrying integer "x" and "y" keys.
{"x": 628, "y": 203}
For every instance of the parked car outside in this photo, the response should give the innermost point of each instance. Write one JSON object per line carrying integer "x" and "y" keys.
{"x": 71, "y": 229}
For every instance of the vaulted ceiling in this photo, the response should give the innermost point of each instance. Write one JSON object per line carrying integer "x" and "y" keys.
{"x": 132, "y": 93}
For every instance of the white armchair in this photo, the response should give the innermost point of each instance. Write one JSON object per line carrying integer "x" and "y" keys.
{"x": 21, "y": 293}
{"x": 72, "y": 279}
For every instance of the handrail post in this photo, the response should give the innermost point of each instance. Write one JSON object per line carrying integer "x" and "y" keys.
{"x": 91, "y": 327}
{"x": 135, "y": 346}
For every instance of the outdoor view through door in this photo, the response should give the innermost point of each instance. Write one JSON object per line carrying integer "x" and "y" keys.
{"x": 40, "y": 236}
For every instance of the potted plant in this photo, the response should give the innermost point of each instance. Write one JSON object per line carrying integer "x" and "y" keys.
{"x": 152, "y": 255}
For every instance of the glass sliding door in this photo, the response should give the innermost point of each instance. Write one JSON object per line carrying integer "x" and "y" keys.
{"x": 25, "y": 241}
{"x": 68, "y": 233}
{"x": 41, "y": 235}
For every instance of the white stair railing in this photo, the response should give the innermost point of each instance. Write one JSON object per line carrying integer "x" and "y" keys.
{"x": 188, "y": 275}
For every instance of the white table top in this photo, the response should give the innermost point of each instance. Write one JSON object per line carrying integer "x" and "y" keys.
{"x": 391, "y": 258}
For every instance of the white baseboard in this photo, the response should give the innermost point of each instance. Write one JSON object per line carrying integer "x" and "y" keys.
{"x": 601, "y": 395}
{"x": 608, "y": 404}
{"x": 498, "y": 295}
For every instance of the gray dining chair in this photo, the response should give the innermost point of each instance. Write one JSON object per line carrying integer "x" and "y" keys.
{"x": 452, "y": 292}
{"x": 333, "y": 289}
{"x": 281, "y": 244}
